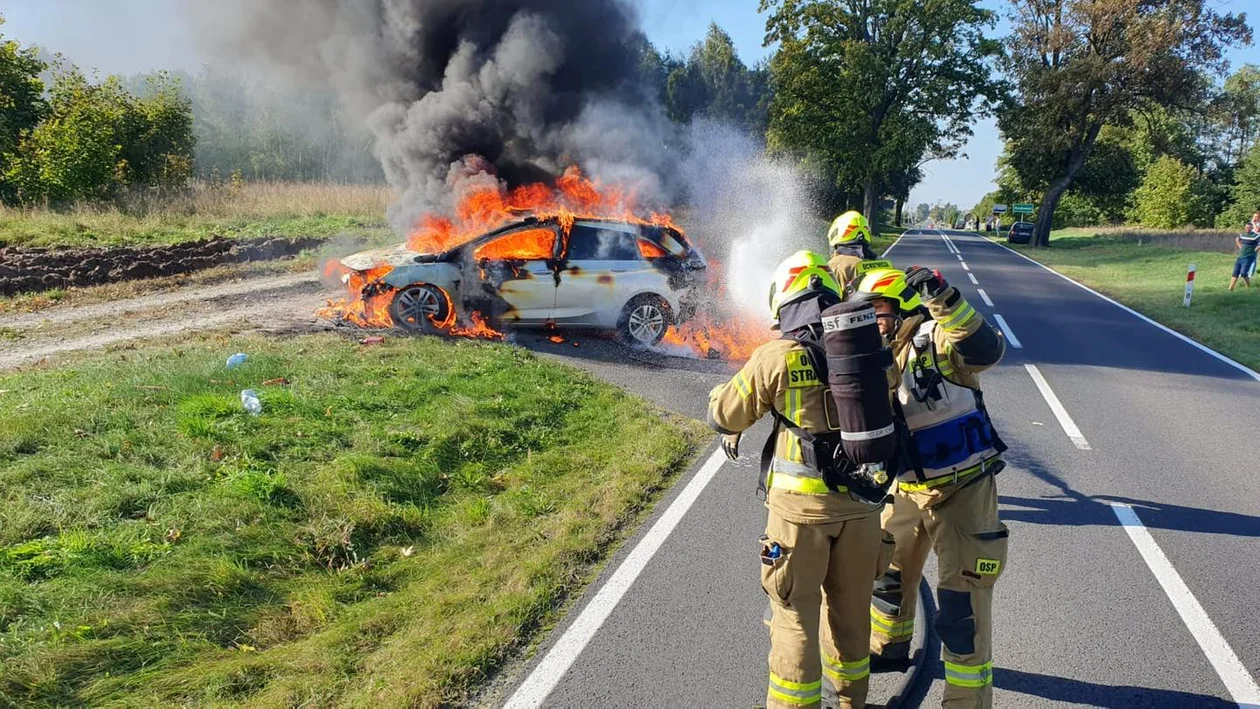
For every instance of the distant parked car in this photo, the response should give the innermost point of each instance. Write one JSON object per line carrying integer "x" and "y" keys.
{"x": 1020, "y": 233}
{"x": 602, "y": 274}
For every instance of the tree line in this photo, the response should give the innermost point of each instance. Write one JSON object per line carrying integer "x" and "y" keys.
{"x": 1110, "y": 110}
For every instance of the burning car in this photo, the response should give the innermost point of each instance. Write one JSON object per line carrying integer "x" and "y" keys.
{"x": 636, "y": 277}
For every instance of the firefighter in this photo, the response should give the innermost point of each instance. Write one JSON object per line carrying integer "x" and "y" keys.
{"x": 851, "y": 254}
{"x": 822, "y": 548}
{"x": 946, "y": 495}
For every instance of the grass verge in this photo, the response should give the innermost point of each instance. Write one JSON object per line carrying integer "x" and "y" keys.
{"x": 398, "y": 519}
{"x": 1151, "y": 280}
{"x": 886, "y": 238}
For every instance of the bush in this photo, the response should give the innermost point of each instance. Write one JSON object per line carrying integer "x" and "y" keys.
{"x": 1172, "y": 195}
{"x": 98, "y": 139}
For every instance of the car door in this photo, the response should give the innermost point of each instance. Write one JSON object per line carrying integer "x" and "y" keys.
{"x": 604, "y": 268}
{"x": 519, "y": 267}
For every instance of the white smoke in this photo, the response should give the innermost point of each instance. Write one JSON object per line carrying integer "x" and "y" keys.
{"x": 750, "y": 212}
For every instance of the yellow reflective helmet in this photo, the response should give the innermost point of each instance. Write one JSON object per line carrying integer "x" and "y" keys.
{"x": 802, "y": 274}
{"x": 886, "y": 283}
{"x": 849, "y": 228}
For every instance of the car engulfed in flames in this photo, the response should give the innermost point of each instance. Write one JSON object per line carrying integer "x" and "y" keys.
{"x": 573, "y": 255}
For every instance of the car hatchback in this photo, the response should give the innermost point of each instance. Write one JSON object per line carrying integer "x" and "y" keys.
{"x": 1020, "y": 233}
{"x": 637, "y": 279}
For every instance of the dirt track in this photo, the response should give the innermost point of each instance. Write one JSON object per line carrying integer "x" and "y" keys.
{"x": 282, "y": 302}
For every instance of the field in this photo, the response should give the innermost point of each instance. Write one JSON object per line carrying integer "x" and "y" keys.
{"x": 1151, "y": 280}
{"x": 254, "y": 209}
{"x": 397, "y": 521}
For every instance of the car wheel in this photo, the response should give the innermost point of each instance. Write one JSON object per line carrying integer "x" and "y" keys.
{"x": 416, "y": 308}
{"x": 645, "y": 320}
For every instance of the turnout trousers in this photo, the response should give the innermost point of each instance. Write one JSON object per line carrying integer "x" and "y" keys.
{"x": 823, "y": 578}
{"x": 960, "y": 522}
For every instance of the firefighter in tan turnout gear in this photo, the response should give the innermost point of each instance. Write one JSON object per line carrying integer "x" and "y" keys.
{"x": 946, "y": 496}
{"x": 822, "y": 547}
{"x": 850, "y": 240}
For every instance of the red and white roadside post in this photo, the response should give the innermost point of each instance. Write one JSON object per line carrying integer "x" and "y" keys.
{"x": 1189, "y": 285}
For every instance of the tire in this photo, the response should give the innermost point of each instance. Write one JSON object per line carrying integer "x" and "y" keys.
{"x": 644, "y": 321}
{"x": 416, "y": 307}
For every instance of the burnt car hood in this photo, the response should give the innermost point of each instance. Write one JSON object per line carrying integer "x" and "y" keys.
{"x": 398, "y": 255}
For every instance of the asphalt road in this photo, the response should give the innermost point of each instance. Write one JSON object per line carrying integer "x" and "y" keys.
{"x": 1108, "y": 417}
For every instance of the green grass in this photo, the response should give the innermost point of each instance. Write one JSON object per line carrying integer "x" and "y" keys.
{"x": 887, "y": 237}
{"x": 398, "y": 520}
{"x": 1152, "y": 281}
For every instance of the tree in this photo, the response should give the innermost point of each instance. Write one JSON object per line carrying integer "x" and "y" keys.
{"x": 22, "y": 104}
{"x": 1237, "y": 113}
{"x": 97, "y": 139}
{"x": 1245, "y": 193}
{"x": 1172, "y": 195}
{"x": 868, "y": 87}
{"x": 1083, "y": 64}
{"x": 714, "y": 83}
{"x": 921, "y": 213}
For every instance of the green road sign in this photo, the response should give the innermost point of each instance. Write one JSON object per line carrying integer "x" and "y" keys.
{"x": 1024, "y": 208}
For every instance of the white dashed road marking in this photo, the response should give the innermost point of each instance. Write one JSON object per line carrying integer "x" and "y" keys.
{"x": 1010, "y": 334}
{"x": 985, "y": 297}
{"x": 1065, "y": 419}
{"x": 965, "y": 266}
{"x": 972, "y": 276}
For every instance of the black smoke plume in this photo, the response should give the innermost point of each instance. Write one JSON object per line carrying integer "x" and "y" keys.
{"x": 457, "y": 92}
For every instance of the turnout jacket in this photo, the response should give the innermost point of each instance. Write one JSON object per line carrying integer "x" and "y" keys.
{"x": 948, "y": 424}
{"x": 779, "y": 376}
{"x": 850, "y": 262}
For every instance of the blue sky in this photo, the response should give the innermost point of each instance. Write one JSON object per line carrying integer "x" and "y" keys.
{"x": 128, "y": 36}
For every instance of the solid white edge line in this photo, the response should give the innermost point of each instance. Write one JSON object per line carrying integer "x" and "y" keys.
{"x": 552, "y": 668}
{"x": 894, "y": 244}
{"x": 1238, "y": 681}
{"x": 547, "y": 673}
{"x": 1010, "y": 334}
{"x": 985, "y": 297}
{"x": 1236, "y": 365}
{"x": 1065, "y": 419}
{"x": 972, "y": 276}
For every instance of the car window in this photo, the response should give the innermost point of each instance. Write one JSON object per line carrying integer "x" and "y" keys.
{"x": 524, "y": 245}
{"x": 591, "y": 243}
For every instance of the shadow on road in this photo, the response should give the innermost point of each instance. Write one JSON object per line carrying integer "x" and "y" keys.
{"x": 1062, "y": 689}
{"x": 1073, "y": 508}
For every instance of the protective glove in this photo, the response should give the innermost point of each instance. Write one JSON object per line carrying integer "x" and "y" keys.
{"x": 730, "y": 445}
{"x": 928, "y": 283}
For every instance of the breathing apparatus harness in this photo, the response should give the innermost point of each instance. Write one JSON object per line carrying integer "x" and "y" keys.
{"x": 867, "y": 483}
{"x": 927, "y": 390}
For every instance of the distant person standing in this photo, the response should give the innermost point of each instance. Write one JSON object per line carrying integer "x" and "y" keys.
{"x": 1245, "y": 265}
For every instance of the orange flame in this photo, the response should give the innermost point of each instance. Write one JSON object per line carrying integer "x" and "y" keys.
{"x": 485, "y": 208}
{"x": 368, "y": 306}
{"x": 717, "y": 333}
{"x": 733, "y": 340}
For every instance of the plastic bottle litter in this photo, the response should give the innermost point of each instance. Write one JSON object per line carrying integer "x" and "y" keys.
{"x": 249, "y": 399}
{"x": 236, "y": 360}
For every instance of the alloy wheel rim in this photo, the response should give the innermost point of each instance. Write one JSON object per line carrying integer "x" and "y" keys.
{"x": 647, "y": 322}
